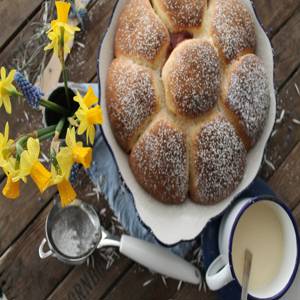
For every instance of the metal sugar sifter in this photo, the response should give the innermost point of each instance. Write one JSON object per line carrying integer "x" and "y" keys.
{"x": 73, "y": 233}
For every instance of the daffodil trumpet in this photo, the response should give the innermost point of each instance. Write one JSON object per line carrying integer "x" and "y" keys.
{"x": 30, "y": 165}
{"x": 60, "y": 170}
{"x": 11, "y": 189}
{"x": 88, "y": 114}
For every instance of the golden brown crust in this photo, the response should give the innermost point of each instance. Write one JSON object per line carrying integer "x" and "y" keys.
{"x": 218, "y": 159}
{"x": 159, "y": 162}
{"x": 232, "y": 29}
{"x": 247, "y": 97}
{"x": 191, "y": 78}
{"x": 187, "y": 134}
{"x": 132, "y": 100}
{"x": 180, "y": 15}
{"x": 141, "y": 35}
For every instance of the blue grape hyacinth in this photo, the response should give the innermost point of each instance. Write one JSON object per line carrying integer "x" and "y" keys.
{"x": 32, "y": 93}
{"x": 74, "y": 173}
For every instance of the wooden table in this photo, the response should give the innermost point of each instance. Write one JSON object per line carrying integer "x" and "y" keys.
{"x": 22, "y": 274}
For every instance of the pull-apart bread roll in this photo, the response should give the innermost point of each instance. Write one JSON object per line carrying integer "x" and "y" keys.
{"x": 186, "y": 96}
{"x": 181, "y": 15}
{"x": 159, "y": 162}
{"x": 141, "y": 35}
{"x": 191, "y": 78}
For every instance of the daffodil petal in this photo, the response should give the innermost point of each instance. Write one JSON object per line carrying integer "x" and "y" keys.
{"x": 33, "y": 147}
{"x": 65, "y": 161}
{"x": 6, "y": 132}
{"x": 83, "y": 155}
{"x": 66, "y": 192}
{"x": 94, "y": 115}
{"x": 7, "y": 104}
{"x": 63, "y": 9}
{"x": 3, "y": 73}
{"x": 91, "y": 134}
{"x": 71, "y": 137}
{"x": 41, "y": 176}
{"x": 11, "y": 189}
{"x": 90, "y": 98}
{"x": 11, "y": 75}
{"x": 82, "y": 128}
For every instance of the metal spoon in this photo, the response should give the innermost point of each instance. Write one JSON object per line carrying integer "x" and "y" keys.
{"x": 246, "y": 274}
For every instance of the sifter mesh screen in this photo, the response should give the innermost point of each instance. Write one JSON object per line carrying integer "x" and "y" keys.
{"x": 73, "y": 232}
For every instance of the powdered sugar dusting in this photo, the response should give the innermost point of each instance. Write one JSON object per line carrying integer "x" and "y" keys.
{"x": 233, "y": 28}
{"x": 184, "y": 14}
{"x": 219, "y": 159}
{"x": 249, "y": 95}
{"x": 131, "y": 98}
{"x": 159, "y": 161}
{"x": 192, "y": 83}
{"x": 192, "y": 76}
{"x": 141, "y": 33}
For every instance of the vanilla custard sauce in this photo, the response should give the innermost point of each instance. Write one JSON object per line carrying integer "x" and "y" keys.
{"x": 259, "y": 230}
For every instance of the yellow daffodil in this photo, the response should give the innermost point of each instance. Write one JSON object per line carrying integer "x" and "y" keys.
{"x": 30, "y": 165}
{"x": 60, "y": 178}
{"x": 61, "y": 32}
{"x": 88, "y": 100}
{"x": 75, "y": 152}
{"x": 7, "y": 89}
{"x": 5, "y": 146}
{"x": 88, "y": 114}
{"x": 11, "y": 189}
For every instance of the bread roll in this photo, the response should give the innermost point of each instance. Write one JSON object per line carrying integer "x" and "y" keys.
{"x": 247, "y": 97}
{"x": 159, "y": 162}
{"x": 132, "y": 99}
{"x": 217, "y": 161}
{"x": 232, "y": 28}
{"x": 187, "y": 111}
{"x": 141, "y": 35}
{"x": 191, "y": 78}
{"x": 181, "y": 15}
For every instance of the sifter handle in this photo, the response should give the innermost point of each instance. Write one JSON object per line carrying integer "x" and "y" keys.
{"x": 159, "y": 259}
{"x": 43, "y": 254}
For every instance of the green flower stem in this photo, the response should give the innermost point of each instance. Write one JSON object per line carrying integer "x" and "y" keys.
{"x": 63, "y": 65}
{"x": 46, "y": 136}
{"x": 59, "y": 126}
{"x": 43, "y": 131}
{"x": 41, "y": 134}
{"x": 53, "y": 106}
{"x": 65, "y": 76}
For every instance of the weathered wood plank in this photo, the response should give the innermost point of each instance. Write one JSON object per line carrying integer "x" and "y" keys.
{"x": 90, "y": 282}
{"x": 191, "y": 293}
{"x": 30, "y": 201}
{"x": 25, "y": 120}
{"x": 20, "y": 266}
{"x": 296, "y": 213}
{"x": 139, "y": 283}
{"x": 286, "y": 44}
{"x": 287, "y": 133}
{"x": 82, "y": 62}
{"x": 23, "y": 274}
{"x": 286, "y": 181}
{"x": 14, "y": 217}
{"x": 13, "y": 14}
{"x": 273, "y": 14}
